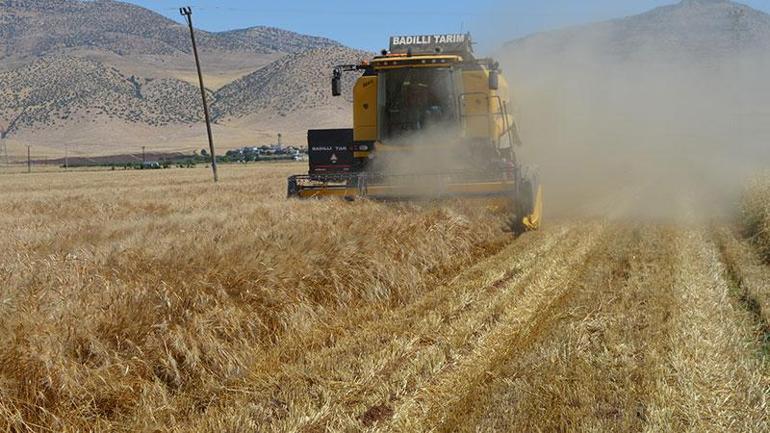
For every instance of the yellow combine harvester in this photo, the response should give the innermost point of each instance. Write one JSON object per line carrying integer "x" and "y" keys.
{"x": 429, "y": 121}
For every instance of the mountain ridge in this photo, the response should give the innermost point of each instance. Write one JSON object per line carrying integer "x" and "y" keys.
{"x": 694, "y": 28}
{"x": 142, "y": 76}
{"x": 65, "y": 63}
{"x": 292, "y": 83}
{"x": 40, "y": 27}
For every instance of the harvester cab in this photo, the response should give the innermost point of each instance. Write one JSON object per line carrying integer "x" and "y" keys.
{"x": 430, "y": 120}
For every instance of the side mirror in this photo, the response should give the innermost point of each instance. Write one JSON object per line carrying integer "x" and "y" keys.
{"x": 494, "y": 80}
{"x": 336, "y": 86}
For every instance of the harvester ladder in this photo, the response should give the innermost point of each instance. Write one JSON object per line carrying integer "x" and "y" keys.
{"x": 511, "y": 129}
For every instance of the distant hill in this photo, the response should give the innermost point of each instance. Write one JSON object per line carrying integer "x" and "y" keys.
{"x": 54, "y": 91}
{"x": 296, "y": 82}
{"x": 271, "y": 39}
{"x": 701, "y": 30}
{"x": 79, "y": 69}
{"x": 73, "y": 70}
{"x": 45, "y": 27}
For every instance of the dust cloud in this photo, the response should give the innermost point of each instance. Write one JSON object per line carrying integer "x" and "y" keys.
{"x": 640, "y": 134}
{"x": 434, "y": 149}
{"x": 431, "y": 158}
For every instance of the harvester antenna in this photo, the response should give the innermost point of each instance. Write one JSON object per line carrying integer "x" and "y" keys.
{"x": 187, "y": 13}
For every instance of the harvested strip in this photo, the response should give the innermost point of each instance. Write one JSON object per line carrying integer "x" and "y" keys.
{"x": 596, "y": 369}
{"x": 522, "y": 323}
{"x": 334, "y": 331}
{"x": 389, "y": 358}
{"x": 299, "y": 343}
{"x": 713, "y": 382}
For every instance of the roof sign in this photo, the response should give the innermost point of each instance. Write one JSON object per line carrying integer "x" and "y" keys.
{"x": 423, "y": 44}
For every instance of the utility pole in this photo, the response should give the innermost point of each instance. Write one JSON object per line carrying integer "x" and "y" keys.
{"x": 187, "y": 13}
{"x": 4, "y": 146}
{"x": 66, "y": 156}
{"x": 144, "y": 157}
{"x": 29, "y": 159}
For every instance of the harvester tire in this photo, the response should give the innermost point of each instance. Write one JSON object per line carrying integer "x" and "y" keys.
{"x": 292, "y": 189}
{"x": 527, "y": 198}
{"x": 524, "y": 205}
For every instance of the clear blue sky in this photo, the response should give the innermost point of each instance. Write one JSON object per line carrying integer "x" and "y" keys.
{"x": 367, "y": 24}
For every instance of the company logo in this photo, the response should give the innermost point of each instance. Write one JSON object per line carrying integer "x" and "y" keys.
{"x": 427, "y": 40}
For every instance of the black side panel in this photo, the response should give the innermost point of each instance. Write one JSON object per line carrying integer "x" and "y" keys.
{"x": 330, "y": 151}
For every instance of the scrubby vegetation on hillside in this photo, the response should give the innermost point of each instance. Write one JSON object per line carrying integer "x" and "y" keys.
{"x": 44, "y": 27}
{"x": 58, "y": 90}
{"x": 295, "y": 82}
{"x": 55, "y": 91}
{"x": 59, "y": 57}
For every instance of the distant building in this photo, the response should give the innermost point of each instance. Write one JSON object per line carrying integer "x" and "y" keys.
{"x": 254, "y": 153}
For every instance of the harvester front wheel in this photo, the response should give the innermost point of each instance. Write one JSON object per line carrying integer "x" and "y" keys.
{"x": 527, "y": 206}
{"x": 292, "y": 187}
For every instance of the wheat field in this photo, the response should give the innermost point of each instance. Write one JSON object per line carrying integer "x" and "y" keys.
{"x": 157, "y": 301}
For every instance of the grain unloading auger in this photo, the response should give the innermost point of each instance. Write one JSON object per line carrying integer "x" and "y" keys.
{"x": 429, "y": 121}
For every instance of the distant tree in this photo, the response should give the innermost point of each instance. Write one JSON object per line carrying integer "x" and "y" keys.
{"x": 204, "y": 152}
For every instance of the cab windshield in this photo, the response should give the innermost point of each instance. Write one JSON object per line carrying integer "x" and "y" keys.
{"x": 416, "y": 99}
